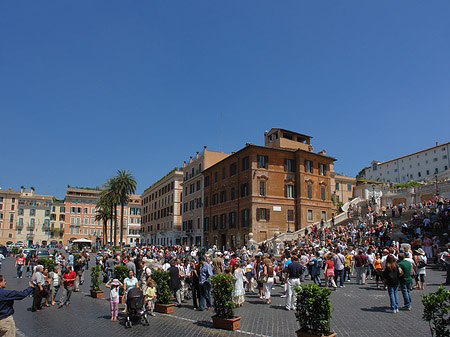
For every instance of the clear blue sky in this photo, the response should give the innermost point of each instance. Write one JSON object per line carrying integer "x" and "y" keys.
{"x": 90, "y": 87}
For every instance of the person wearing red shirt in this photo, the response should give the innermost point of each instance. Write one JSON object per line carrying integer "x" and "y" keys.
{"x": 329, "y": 271}
{"x": 20, "y": 262}
{"x": 69, "y": 278}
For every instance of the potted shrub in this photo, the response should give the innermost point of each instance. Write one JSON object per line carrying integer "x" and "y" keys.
{"x": 163, "y": 293}
{"x": 313, "y": 311}
{"x": 222, "y": 292}
{"x": 436, "y": 311}
{"x": 120, "y": 273}
{"x": 96, "y": 291}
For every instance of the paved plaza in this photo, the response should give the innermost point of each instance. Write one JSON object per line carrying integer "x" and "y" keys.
{"x": 357, "y": 311}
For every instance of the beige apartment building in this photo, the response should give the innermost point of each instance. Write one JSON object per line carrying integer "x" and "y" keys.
{"x": 57, "y": 218}
{"x": 9, "y": 201}
{"x": 161, "y": 210}
{"x": 33, "y": 218}
{"x": 342, "y": 187}
{"x": 134, "y": 220}
{"x": 193, "y": 194}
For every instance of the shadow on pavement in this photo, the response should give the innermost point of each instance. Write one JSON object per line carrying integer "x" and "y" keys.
{"x": 206, "y": 324}
{"x": 375, "y": 309}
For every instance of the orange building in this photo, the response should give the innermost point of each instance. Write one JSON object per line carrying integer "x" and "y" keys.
{"x": 280, "y": 187}
{"x": 193, "y": 195}
{"x": 80, "y": 211}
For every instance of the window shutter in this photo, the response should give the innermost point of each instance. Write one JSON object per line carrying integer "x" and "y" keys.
{"x": 285, "y": 191}
{"x": 258, "y": 212}
{"x": 268, "y": 214}
{"x": 295, "y": 191}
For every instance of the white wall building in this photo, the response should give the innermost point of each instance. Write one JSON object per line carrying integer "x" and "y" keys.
{"x": 416, "y": 166}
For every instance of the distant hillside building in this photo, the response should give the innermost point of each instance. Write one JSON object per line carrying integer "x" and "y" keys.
{"x": 416, "y": 166}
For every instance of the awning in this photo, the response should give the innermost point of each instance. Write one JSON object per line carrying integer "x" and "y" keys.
{"x": 82, "y": 241}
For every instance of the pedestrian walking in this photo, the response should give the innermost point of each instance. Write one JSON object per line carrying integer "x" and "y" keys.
{"x": 391, "y": 277}
{"x": 38, "y": 282}
{"x": 20, "y": 262}
{"x": 69, "y": 278}
{"x": 268, "y": 274}
{"x": 294, "y": 272}
{"x": 114, "y": 286}
{"x": 405, "y": 280}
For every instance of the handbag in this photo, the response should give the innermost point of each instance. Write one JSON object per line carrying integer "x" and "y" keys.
{"x": 421, "y": 264}
{"x": 263, "y": 278}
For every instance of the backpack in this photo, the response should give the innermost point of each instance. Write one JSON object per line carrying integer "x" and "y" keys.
{"x": 319, "y": 263}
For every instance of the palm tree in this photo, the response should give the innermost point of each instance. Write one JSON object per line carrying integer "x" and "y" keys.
{"x": 103, "y": 214}
{"x": 110, "y": 198}
{"x": 125, "y": 184}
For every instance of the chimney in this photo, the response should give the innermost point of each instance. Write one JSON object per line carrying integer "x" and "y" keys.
{"x": 437, "y": 143}
{"x": 204, "y": 147}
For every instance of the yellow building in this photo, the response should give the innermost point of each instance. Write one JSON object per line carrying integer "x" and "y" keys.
{"x": 9, "y": 200}
{"x": 33, "y": 218}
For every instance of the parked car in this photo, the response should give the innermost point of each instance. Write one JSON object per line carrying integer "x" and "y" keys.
{"x": 43, "y": 253}
{"x": 27, "y": 251}
{"x": 19, "y": 244}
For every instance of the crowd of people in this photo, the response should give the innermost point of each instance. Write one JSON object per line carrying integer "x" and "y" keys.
{"x": 357, "y": 251}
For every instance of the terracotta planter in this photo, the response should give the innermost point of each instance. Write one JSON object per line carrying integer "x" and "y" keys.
{"x": 226, "y": 323}
{"x": 313, "y": 333}
{"x": 97, "y": 294}
{"x": 165, "y": 308}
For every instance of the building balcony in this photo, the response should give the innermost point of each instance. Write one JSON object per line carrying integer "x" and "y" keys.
{"x": 46, "y": 226}
{"x": 30, "y": 226}
{"x": 19, "y": 225}
{"x": 30, "y": 236}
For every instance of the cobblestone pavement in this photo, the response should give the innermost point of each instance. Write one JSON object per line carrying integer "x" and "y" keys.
{"x": 357, "y": 311}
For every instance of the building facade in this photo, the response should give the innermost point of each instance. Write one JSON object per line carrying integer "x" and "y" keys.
{"x": 193, "y": 195}
{"x": 280, "y": 187}
{"x": 134, "y": 220}
{"x": 33, "y": 218}
{"x": 80, "y": 212}
{"x": 57, "y": 219}
{"x": 161, "y": 210}
{"x": 9, "y": 201}
{"x": 342, "y": 187}
{"x": 420, "y": 165}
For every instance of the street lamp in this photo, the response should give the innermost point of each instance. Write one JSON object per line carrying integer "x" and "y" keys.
{"x": 436, "y": 181}
{"x": 287, "y": 216}
{"x": 373, "y": 194}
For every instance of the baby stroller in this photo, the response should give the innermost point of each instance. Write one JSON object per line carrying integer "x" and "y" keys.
{"x": 135, "y": 308}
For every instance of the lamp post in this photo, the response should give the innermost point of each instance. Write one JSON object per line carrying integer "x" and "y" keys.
{"x": 373, "y": 194}
{"x": 287, "y": 217}
{"x": 436, "y": 181}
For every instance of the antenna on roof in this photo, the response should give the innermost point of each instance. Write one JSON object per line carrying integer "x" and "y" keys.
{"x": 221, "y": 126}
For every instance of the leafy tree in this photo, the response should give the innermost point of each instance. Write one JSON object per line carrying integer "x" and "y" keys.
{"x": 313, "y": 308}
{"x": 124, "y": 185}
{"x": 436, "y": 311}
{"x": 110, "y": 199}
{"x": 103, "y": 215}
{"x": 163, "y": 292}
{"x": 222, "y": 293}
